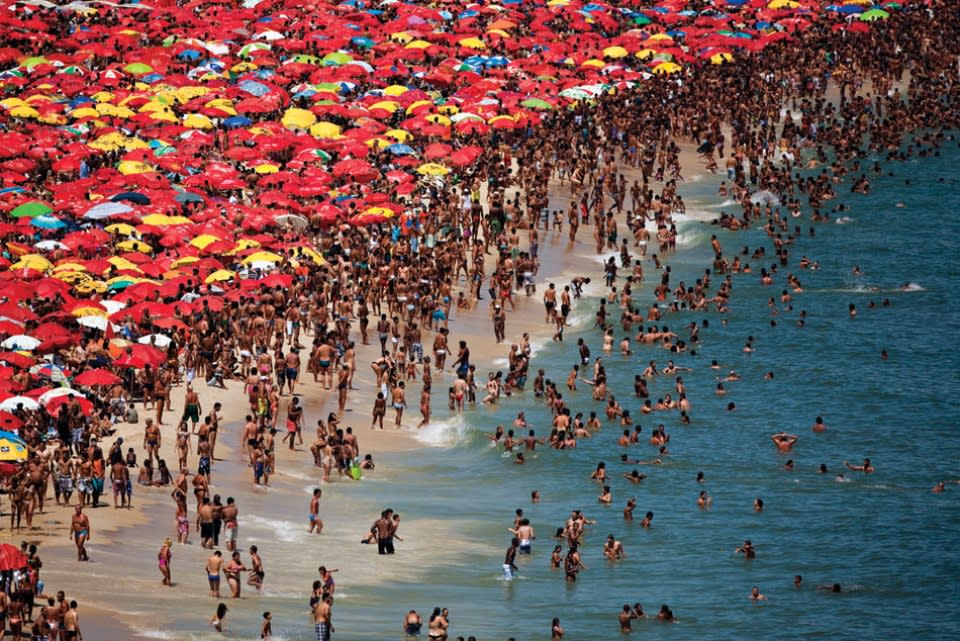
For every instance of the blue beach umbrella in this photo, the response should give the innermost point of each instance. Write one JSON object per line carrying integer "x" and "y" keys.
{"x": 401, "y": 150}
{"x": 237, "y": 121}
{"x": 47, "y": 222}
{"x": 131, "y": 196}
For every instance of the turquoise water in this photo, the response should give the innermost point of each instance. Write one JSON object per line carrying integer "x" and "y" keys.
{"x": 885, "y": 537}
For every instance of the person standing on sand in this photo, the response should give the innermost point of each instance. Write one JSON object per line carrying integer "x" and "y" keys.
{"x": 80, "y": 532}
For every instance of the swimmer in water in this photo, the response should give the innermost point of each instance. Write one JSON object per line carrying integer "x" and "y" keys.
{"x": 867, "y": 467}
{"x": 784, "y": 441}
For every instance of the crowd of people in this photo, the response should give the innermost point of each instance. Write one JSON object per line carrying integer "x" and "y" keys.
{"x": 304, "y": 319}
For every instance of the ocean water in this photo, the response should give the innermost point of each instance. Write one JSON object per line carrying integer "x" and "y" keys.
{"x": 885, "y": 537}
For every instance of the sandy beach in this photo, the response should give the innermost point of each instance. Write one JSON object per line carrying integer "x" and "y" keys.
{"x": 132, "y": 536}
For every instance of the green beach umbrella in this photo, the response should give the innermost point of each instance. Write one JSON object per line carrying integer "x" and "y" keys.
{"x": 336, "y": 58}
{"x": 873, "y": 15}
{"x": 138, "y": 68}
{"x": 640, "y": 20}
{"x": 30, "y": 63}
{"x": 31, "y": 210}
{"x": 306, "y": 59}
{"x": 536, "y": 103}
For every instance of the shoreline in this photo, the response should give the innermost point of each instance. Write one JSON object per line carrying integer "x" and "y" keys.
{"x": 559, "y": 259}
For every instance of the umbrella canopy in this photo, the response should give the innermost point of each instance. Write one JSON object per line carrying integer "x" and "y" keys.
{"x": 11, "y": 558}
{"x": 12, "y": 449}
{"x": 94, "y": 377}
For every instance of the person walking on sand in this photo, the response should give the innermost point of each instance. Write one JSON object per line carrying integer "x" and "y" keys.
{"x": 80, "y": 532}
{"x": 164, "y": 557}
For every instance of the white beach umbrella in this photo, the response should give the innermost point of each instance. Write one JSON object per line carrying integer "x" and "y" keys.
{"x": 48, "y": 396}
{"x": 159, "y": 340}
{"x": 11, "y": 403}
{"x": 21, "y": 342}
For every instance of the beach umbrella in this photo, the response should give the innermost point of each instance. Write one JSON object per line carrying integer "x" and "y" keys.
{"x": 21, "y": 342}
{"x": 47, "y": 222}
{"x": 432, "y": 169}
{"x": 873, "y": 15}
{"x": 16, "y": 359}
{"x": 160, "y": 340}
{"x": 13, "y": 402}
{"x": 94, "y": 377}
{"x": 31, "y": 210}
{"x": 106, "y": 210}
{"x": 48, "y": 370}
{"x": 54, "y": 404}
{"x": 56, "y": 392}
{"x": 11, "y": 558}
{"x": 10, "y": 422}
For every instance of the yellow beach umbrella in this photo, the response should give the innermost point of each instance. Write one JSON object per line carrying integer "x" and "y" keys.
{"x": 203, "y": 240}
{"x": 385, "y": 105}
{"x": 720, "y": 58}
{"x": 197, "y": 121}
{"x": 395, "y": 90}
{"x": 85, "y": 112}
{"x": 219, "y": 276}
{"x": 269, "y": 257}
{"x": 90, "y": 286}
{"x": 417, "y": 44}
{"x": 135, "y": 246}
{"x": 472, "y": 43}
{"x": 89, "y": 310}
{"x": 32, "y": 261}
{"x": 24, "y": 111}
{"x": 295, "y": 118}
{"x": 122, "y": 263}
{"x": 162, "y": 220}
{"x": 326, "y": 130}
{"x": 266, "y": 168}
{"x": 185, "y": 260}
{"x": 123, "y": 229}
{"x": 438, "y": 119}
{"x": 400, "y": 135}
{"x": 615, "y": 52}
{"x": 69, "y": 267}
{"x": 667, "y": 68}
{"x": 432, "y": 169}
{"x": 129, "y": 167}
